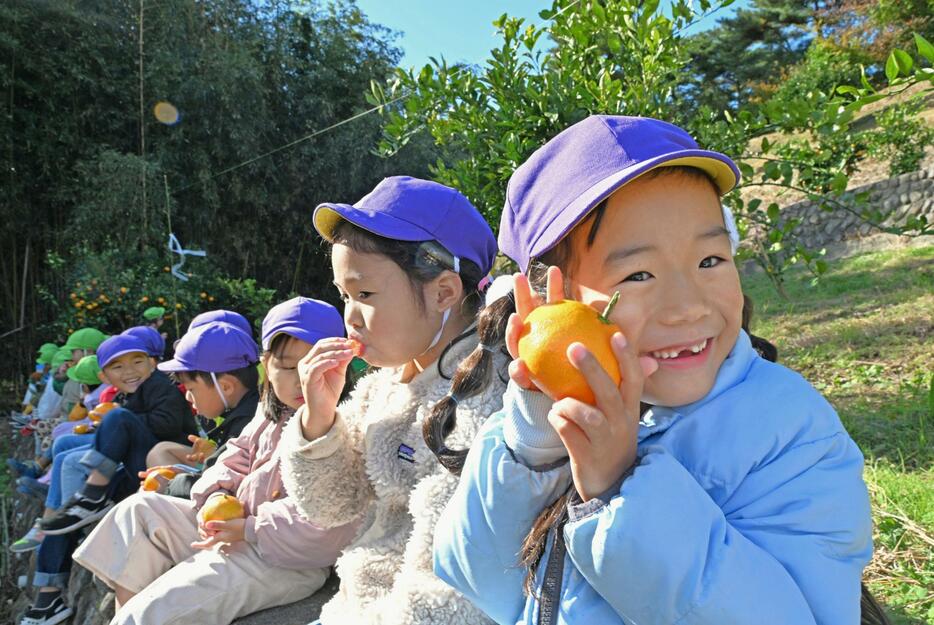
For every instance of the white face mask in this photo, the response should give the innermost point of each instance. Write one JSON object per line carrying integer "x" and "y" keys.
{"x": 217, "y": 387}
{"x": 447, "y": 312}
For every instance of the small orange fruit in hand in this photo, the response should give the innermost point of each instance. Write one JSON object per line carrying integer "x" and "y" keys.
{"x": 222, "y": 508}
{"x": 81, "y": 428}
{"x": 356, "y": 346}
{"x": 547, "y": 333}
{"x": 152, "y": 481}
{"x": 77, "y": 413}
{"x": 101, "y": 409}
{"x": 203, "y": 446}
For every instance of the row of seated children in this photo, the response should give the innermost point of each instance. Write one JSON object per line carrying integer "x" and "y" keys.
{"x": 88, "y": 463}
{"x": 705, "y": 485}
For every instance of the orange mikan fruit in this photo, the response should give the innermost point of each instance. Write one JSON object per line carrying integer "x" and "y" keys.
{"x": 222, "y": 508}
{"x": 547, "y": 333}
{"x": 101, "y": 409}
{"x": 77, "y": 413}
{"x": 152, "y": 481}
{"x": 81, "y": 428}
{"x": 356, "y": 346}
{"x": 204, "y": 446}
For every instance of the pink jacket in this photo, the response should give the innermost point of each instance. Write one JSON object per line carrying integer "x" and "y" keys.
{"x": 250, "y": 469}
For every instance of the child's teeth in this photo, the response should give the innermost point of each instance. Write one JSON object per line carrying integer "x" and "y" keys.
{"x": 694, "y": 348}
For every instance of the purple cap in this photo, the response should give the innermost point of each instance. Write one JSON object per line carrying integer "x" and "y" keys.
{"x": 409, "y": 209}
{"x": 307, "y": 319}
{"x": 117, "y": 346}
{"x": 227, "y": 316}
{"x": 558, "y": 186}
{"x": 151, "y": 338}
{"x": 216, "y": 347}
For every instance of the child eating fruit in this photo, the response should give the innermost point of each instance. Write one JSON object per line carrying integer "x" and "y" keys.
{"x": 410, "y": 261}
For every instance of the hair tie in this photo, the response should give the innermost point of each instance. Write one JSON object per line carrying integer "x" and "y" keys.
{"x": 487, "y": 348}
{"x": 484, "y": 283}
{"x": 453, "y": 398}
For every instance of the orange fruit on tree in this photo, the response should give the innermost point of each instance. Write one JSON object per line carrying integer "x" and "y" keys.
{"x": 547, "y": 333}
{"x": 222, "y": 508}
{"x": 152, "y": 481}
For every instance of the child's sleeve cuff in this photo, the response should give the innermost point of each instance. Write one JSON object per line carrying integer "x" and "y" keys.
{"x": 321, "y": 447}
{"x": 526, "y": 430}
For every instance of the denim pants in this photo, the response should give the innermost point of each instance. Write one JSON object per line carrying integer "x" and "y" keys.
{"x": 121, "y": 438}
{"x": 53, "y": 560}
{"x": 66, "y": 442}
{"x": 67, "y": 474}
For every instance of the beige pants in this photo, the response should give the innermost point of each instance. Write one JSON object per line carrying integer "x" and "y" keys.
{"x": 144, "y": 545}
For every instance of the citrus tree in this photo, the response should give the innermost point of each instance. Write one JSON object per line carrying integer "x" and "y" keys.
{"x": 629, "y": 57}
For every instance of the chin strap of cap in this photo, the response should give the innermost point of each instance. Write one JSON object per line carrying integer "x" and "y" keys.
{"x": 217, "y": 387}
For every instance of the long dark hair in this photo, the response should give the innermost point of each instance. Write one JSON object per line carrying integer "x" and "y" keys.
{"x": 422, "y": 262}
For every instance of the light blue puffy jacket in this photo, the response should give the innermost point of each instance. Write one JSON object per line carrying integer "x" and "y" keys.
{"x": 745, "y": 507}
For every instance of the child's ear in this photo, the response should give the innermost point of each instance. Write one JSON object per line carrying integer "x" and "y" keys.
{"x": 228, "y": 383}
{"x": 448, "y": 291}
{"x": 103, "y": 378}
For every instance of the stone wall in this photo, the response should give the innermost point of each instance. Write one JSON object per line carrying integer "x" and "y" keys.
{"x": 897, "y": 198}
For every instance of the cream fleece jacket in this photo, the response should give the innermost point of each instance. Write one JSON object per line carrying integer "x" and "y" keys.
{"x": 374, "y": 463}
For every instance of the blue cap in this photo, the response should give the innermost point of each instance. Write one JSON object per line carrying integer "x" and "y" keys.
{"x": 309, "y": 320}
{"x": 410, "y": 209}
{"x": 562, "y": 181}
{"x": 117, "y": 346}
{"x": 227, "y": 316}
{"x": 151, "y": 338}
{"x": 216, "y": 347}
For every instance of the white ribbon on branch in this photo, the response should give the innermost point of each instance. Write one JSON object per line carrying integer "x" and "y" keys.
{"x": 176, "y": 248}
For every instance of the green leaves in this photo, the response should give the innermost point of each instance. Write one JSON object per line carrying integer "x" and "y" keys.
{"x": 925, "y": 48}
{"x": 898, "y": 63}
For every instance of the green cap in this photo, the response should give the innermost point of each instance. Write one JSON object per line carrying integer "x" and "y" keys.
{"x": 85, "y": 338}
{"x": 45, "y": 353}
{"x": 62, "y": 356}
{"x": 85, "y": 371}
{"x": 153, "y": 312}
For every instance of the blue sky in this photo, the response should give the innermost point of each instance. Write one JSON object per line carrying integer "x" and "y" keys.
{"x": 459, "y": 30}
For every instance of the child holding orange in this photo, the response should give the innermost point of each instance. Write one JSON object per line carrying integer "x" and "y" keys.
{"x": 735, "y": 497}
{"x": 410, "y": 261}
{"x": 239, "y": 545}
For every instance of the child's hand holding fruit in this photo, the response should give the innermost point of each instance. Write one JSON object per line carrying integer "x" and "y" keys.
{"x": 569, "y": 352}
{"x": 323, "y": 372}
{"x": 221, "y": 520}
{"x": 201, "y": 448}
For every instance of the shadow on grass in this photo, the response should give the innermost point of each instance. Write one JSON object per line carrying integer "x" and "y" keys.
{"x": 898, "y": 616}
{"x": 890, "y": 427}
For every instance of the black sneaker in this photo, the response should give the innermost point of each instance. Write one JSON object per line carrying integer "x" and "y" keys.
{"x": 77, "y": 512}
{"x": 55, "y": 612}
